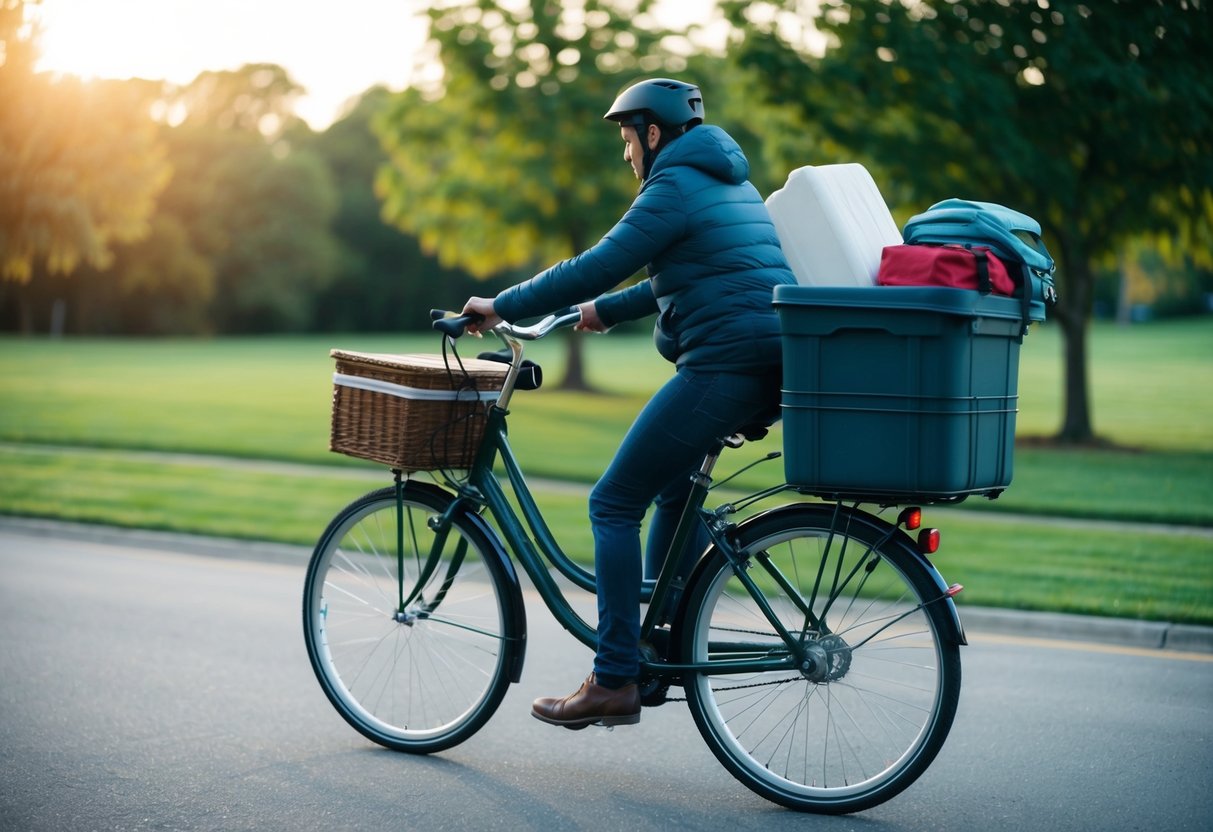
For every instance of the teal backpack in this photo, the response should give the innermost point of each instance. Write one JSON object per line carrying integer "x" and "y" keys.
{"x": 1012, "y": 236}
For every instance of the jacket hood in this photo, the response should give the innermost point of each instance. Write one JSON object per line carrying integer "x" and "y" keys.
{"x": 706, "y": 148}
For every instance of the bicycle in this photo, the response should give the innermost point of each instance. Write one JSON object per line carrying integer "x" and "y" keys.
{"x": 817, "y": 646}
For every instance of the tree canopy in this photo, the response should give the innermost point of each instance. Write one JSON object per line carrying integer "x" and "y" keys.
{"x": 384, "y": 282}
{"x": 173, "y": 208}
{"x": 1095, "y": 118}
{"x": 507, "y": 164}
{"x": 145, "y": 207}
{"x": 63, "y": 201}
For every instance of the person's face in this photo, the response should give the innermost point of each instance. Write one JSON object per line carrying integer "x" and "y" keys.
{"x": 633, "y": 152}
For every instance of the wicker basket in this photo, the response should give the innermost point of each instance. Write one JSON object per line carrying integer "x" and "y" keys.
{"x": 411, "y": 412}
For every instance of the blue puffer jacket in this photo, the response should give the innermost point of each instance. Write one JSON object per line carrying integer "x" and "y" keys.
{"x": 712, "y": 254}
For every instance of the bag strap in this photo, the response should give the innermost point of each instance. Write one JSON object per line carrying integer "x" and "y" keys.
{"x": 1025, "y": 284}
{"x": 983, "y": 269}
{"x": 1025, "y": 293}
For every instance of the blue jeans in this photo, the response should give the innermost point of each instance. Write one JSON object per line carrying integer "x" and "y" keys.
{"x": 653, "y": 466}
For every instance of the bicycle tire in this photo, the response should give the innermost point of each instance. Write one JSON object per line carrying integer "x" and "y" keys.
{"x": 882, "y": 696}
{"x": 427, "y": 676}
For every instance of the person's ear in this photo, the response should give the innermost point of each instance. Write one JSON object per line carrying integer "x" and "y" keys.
{"x": 654, "y": 136}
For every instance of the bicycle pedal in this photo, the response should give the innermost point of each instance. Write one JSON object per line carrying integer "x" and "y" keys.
{"x": 609, "y": 722}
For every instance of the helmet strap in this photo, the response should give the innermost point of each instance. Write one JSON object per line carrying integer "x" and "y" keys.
{"x": 650, "y": 155}
{"x": 641, "y": 125}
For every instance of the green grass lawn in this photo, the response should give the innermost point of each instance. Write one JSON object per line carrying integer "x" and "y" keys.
{"x": 1006, "y": 563}
{"x": 269, "y": 398}
{"x": 1152, "y": 389}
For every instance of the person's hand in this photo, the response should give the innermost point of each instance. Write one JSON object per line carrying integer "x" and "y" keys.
{"x": 483, "y": 307}
{"x": 590, "y": 322}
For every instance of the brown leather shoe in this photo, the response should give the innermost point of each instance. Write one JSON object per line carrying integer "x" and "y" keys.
{"x": 592, "y": 704}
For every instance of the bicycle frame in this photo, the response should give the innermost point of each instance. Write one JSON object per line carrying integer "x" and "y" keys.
{"x": 483, "y": 489}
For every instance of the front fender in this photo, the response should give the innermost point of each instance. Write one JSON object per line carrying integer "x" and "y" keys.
{"x": 513, "y": 607}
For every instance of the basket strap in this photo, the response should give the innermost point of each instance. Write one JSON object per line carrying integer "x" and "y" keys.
{"x": 400, "y": 391}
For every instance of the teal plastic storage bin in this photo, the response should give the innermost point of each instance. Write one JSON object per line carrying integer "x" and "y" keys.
{"x": 899, "y": 394}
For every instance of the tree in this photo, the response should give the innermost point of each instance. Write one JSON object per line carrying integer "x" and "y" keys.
{"x": 1095, "y": 118}
{"x": 258, "y": 211}
{"x": 80, "y": 164}
{"x": 384, "y": 282}
{"x": 159, "y": 285}
{"x": 507, "y": 164}
{"x": 256, "y": 98}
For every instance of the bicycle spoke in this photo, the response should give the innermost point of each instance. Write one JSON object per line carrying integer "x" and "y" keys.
{"x": 863, "y": 717}
{"x": 425, "y": 676}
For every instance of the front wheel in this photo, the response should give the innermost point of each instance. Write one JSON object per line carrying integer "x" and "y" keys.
{"x": 859, "y": 690}
{"x": 410, "y": 626}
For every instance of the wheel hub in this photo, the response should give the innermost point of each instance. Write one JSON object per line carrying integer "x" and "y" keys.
{"x": 826, "y": 660}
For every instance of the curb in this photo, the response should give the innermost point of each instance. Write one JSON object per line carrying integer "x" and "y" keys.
{"x": 188, "y": 544}
{"x": 1149, "y": 635}
{"x": 1156, "y": 635}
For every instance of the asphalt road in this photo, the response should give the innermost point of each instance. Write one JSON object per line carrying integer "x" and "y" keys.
{"x": 145, "y": 688}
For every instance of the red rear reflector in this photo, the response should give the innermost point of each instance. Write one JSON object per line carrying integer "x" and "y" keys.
{"x": 911, "y": 518}
{"x": 928, "y": 541}
{"x": 954, "y": 590}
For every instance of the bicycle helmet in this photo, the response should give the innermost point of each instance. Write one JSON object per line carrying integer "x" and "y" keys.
{"x": 661, "y": 101}
{"x": 674, "y": 106}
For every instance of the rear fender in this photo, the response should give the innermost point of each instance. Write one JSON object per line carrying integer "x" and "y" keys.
{"x": 953, "y": 630}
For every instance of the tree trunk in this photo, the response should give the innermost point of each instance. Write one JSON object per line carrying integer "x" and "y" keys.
{"x": 574, "y": 372}
{"x": 1076, "y": 423}
{"x": 1074, "y": 314}
{"x": 58, "y": 317}
{"x": 1124, "y": 301}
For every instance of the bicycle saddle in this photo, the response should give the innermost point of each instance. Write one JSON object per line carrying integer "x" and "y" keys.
{"x": 757, "y": 429}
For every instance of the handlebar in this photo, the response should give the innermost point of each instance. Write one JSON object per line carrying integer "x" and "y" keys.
{"x": 453, "y": 325}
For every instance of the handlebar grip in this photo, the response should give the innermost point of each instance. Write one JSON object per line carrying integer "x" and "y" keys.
{"x": 452, "y": 327}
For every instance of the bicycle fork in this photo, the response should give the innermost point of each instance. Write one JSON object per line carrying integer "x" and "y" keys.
{"x": 440, "y": 525}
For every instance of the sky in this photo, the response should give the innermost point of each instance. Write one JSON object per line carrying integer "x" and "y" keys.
{"x": 335, "y": 49}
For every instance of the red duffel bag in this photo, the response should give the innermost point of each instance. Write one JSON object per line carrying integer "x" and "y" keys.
{"x": 946, "y": 265}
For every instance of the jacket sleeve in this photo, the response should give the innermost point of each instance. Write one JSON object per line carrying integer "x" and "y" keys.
{"x": 628, "y": 304}
{"x": 655, "y": 220}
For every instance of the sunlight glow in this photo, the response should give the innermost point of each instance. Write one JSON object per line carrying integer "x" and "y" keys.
{"x": 334, "y": 50}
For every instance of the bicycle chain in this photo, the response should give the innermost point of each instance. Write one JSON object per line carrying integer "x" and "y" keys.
{"x": 741, "y": 687}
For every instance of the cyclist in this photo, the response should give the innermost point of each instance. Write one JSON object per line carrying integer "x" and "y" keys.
{"x": 713, "y": 259}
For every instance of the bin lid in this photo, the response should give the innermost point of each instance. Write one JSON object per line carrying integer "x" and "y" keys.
{"x": 942, "y": 299}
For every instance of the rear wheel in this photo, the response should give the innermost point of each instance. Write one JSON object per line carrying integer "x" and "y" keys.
{"x": 869, "y": 682}
{"x": 411, "y": 634}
